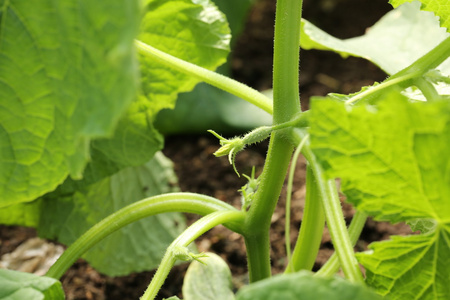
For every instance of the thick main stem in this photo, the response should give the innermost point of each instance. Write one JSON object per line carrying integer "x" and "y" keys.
{"x": 285, "y": 106}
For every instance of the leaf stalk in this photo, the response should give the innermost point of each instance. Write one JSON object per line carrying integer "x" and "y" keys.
{"x": 187, "y": 237}
{"x": 215, "y": 79}
{"x": 175, "y": 202}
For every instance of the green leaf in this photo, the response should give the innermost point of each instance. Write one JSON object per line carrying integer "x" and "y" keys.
{"x": 23, "y": 214}
{"x": 207, "y": 107}
{"x": 195, "y": 31}
{"x": 393, "y": 162}
{"x": 208, "y": 281}
{"x": 422, "y": 225}
{"x": 136, "y": 247}
{"x": 392, "y": 158}
{"x": 236, "y": 12}
{"x": 393, "y": 43}
{"x": 67, "y": 74}
{"x": 303, "y": 286}
{"x": 135, "y": 141}
{"x": 16, "y": 285}
{"x": 440, "y": 7}
{"x": 420, "y": 259}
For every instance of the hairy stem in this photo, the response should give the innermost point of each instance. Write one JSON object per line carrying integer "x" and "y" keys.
{"x": 429, "y": 61}
{"x": 409, "y": 76}
{"x": 257, "y": 225}
{"x": 403, "y": 81}
{"x": 286, "y": 105}
{"x": 215, "y": 79}
{"x": 427, "y": 89}
{"x": 354, "y": 231}
{"x": 187, "y": 237}
{"x": 287, "y": 223}
{"x": 335, "y": 221}
{"x": 311, "y": 230}
{"x": 179, "y": 202}
{"x": 333, "y": 214}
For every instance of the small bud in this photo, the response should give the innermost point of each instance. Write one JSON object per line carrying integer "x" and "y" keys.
{"x": 248, "y": 191}
{"x": 182, "y": 253}
{"x": 229, "y": 147}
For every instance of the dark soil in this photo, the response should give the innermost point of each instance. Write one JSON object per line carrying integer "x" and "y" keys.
{"x": 199, "y": 171}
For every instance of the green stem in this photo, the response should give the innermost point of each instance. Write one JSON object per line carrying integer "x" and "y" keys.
{"x": 427, "y": 89}
{"x": 335, "y": 220}
{"x": 287, "y": 223}
{"x": 333, "y": 214}
{"x": 354, "y": 231}
{"x": 181, "y": 202}
{"x": 311, "y": 230}
{"x": 286, "y": 104}
{"x": 286, "y": 60}
{"x": 187, "y": 237}
{"x": 404, "y": 81}
{"x": 406, "y": 77}
{"x": 257, "y": 225}
{"x": 222, "y": 82}
{"x": 429, "y": 61}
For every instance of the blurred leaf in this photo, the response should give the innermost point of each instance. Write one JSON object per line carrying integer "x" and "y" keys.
{"x": 20, "y": 285}
{"x": 67, "y": 73}
{"x": 195, "y": 31}
{"x": 208, "y": 281}
{"x": 23, "y": 214}
{"x": 304, "y": 286}
{"x": 236, "y": 12}
{"x": 136, "y": 247}
{"x": 397, "y": 40}
{"x": 207, "y": 107}
{"x": 439, "y": 7}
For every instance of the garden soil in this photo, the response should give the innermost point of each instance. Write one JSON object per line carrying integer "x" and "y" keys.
{"x": 199, "y": 171}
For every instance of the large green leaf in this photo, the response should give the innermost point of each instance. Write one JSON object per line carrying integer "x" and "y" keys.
{"x": 236, "y": 12}
{"x": 440, "y": 7}
{"x": 393, "y": 162}
{"x": 189, "y": 35}
{"x": 23, "y": 214}
{"x": 412, "y": 267}
{"x": 392, "y": 158}
{"x": 303, "y": 286}
{"x": 136, "y": 247}
{"x": 135, "y": 141}
{"x": 207, "y": 107}
{"x": 16, "y": 285}
{"x": 193, "y": 30}
{"x": 393, "y": 43}
{"x": 67, "y": 73}
{"x": 209, "y": 280}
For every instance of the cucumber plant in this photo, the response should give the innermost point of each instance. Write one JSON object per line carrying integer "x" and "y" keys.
{"x": 73, "y": 103}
